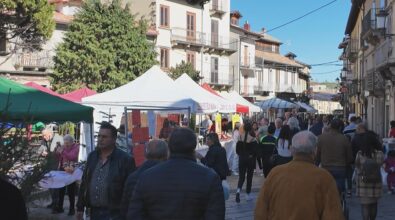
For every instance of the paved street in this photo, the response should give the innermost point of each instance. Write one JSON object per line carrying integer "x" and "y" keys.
{"x": 234, "y": 211}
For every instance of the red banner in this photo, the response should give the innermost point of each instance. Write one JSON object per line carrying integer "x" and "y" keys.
{"x": 136, "y": 118}
{"x": 140, "y": 135}
{"x": 138, "y": 154}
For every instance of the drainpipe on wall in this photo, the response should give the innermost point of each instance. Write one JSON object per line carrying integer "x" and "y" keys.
{"x": 201, "y": 50}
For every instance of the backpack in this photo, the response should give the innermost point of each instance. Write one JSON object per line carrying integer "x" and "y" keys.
{"x": 370, "y": 172}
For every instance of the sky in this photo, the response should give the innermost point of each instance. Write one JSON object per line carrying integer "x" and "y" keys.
{"x": 314, "y": 38}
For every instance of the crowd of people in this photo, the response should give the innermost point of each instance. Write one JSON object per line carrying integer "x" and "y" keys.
{"x": 316, "y": 161}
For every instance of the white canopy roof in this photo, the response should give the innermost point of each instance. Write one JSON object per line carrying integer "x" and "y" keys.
{"x": 234, "y": 96}
{"x": 152, "y": 89}
{"x": 307, "y": 107}
{"x": 276, "y": 103}
{"x": 206, "y": 101}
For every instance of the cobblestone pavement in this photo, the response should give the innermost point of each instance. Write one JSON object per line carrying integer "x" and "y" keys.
{"x": 242, "y": 211}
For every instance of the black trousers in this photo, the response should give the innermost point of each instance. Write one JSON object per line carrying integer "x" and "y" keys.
{"x": 71, "y": 190}
{"x": 246, "y": 166}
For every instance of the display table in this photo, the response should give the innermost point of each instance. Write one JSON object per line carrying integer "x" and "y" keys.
{"x": 59, "y": 179}
{"x": 230, "y": 148}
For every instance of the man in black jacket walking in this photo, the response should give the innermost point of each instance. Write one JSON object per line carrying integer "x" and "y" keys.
{"x": 104, "y": 177}
{"x": 155, "y": 152}
{"x": 178, "y": 188}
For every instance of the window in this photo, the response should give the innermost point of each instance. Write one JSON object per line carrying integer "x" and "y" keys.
{"x": 214, "y": 70}
{"x": 164, "y": 16}
{"x": 293, "y": 77}
{"x": 191, "y": 58}
{"x": 164, "y": 58}
{"x": 191, "y": 26}
{"x": 286, "y": 77}
{"x": 273, "y": 48}
{"x": 278, "y": 78}
{"x": 246, "y": 61}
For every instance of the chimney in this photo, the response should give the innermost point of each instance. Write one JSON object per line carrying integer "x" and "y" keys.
{"x": 247, "y": 26}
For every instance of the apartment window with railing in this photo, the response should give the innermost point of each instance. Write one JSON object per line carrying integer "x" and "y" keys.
{"x": 191, "y": 58}
{"x": 214, "y": 70}
{"x": 191, "y": 26}
{"x": 164, "y": 16}
{"x": 164, "y": 58}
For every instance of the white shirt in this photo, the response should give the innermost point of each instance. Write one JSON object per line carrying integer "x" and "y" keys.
{"x": 282, "y": 148}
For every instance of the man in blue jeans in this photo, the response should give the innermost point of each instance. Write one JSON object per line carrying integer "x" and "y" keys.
{"x": 334, "y": 153}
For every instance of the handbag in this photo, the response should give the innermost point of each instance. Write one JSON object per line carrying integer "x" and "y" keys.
{"x": 274, "y": 157}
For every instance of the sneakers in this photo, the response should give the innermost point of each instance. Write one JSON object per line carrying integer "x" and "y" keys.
{"x": 238, "y": 197}
{"x": 235, "y": 173}
{"x": 248, "y": 197}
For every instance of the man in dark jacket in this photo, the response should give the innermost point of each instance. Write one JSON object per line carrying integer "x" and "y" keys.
{"x": 104, "y": 177}
{"x": 178, "y": 188}
{"x": 155, "y": 152}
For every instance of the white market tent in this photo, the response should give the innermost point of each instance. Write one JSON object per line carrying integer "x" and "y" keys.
{"x": 277, "y": 104}
{"x": 234, "y": 96}
{"x": 307, "y": 107}
{"x": 206, "y": 101}
{"x": 153, "y": 89}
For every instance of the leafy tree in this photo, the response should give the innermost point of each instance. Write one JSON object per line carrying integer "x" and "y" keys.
{"x": 28, "y": 20}
{"x": 104, "y": 49}
{"x": 187, "y": 68}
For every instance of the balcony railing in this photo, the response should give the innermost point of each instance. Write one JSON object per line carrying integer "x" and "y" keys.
{"x": 382, "y": 53}
{"x": 263, "y": 87}
{"x": 39, "y": 60}
{"x": 196, "y": 38}
{"x": 352, "y": 49}
{"x": 217, "y": 81}
{"x": 370, "y": 22}
{"x": 218, "y": 7}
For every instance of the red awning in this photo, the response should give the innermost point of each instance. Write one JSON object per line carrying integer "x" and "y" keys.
{"x": 242, "y": 108}
{"x": 239, "y": 107}
{"x": 77, "y": 95}
{"x": 45, "y": 89}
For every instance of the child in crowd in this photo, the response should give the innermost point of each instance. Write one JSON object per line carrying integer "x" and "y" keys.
{"x": 390, "y": 169}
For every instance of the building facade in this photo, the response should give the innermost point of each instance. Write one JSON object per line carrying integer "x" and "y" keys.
{"x": 24, "y": 64}
{"x": 369, "y": 74}
{"x": 193, "y": 31}
{"x": 259, "y": 70}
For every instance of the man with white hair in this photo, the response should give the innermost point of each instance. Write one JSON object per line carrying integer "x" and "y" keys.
{"x": 307, "y": 192}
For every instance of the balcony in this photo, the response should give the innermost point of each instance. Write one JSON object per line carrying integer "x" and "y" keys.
{"x": 374, "y": 82}
{"x": 34, "y": 60}
{"x": 218, "y": 82}
{"x": 371, "y": 26}
{"x": 213, "y": 43}
{"x": 218, "y": 8}
{"x": 352, "y": 50}
{"x": 382, "y": 54}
